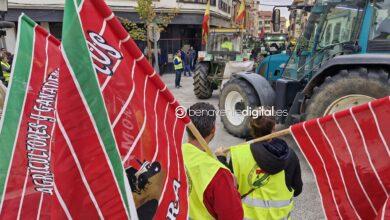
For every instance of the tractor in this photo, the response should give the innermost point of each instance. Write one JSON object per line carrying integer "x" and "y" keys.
{"x": 224, "y": 48}
{"x": 342, "y": 59}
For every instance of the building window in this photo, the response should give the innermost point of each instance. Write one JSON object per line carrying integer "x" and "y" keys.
{"x": 224, "y": 6}
{"x": 212, "y": 2}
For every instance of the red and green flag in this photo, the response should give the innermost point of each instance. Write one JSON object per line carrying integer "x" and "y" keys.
{"x": 140, "y": 108}
{"x": 56, "y": 162}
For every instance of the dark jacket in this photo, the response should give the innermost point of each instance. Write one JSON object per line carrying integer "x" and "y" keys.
{"x": 273, "y": 157}
{"x": 183, "y": 56}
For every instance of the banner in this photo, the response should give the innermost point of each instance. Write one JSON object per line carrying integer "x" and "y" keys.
{"x": 350, "y": 157}
{"x": 53, "y": 162}
{"x": 140, "y": 108}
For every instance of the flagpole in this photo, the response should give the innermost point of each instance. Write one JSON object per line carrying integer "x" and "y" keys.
{"x": 200, "y": 139}
{"x": 264, "y": 138}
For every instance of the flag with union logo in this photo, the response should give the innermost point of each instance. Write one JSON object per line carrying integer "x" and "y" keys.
{"x": 140, "y": 108}
{"x": 58, "y": 160}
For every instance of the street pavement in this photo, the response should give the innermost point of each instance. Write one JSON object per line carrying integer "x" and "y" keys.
{"x": 308, "y": 204}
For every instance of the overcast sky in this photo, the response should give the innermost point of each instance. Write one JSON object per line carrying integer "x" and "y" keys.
{"x": 285, "y": 12}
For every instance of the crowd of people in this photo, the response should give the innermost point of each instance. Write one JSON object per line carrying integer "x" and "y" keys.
{"x": 258, "y": 181}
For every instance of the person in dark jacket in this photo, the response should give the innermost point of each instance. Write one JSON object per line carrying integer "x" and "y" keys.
{"x": 266, "y": 171}
{"x": 192, "y": 58}
{"x": 187, "y": 66}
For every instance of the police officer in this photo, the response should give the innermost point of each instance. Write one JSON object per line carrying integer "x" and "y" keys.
{"x": 178, "y": 65}
{"x": 268, "y": 173}
{"x": 212, "y": 190}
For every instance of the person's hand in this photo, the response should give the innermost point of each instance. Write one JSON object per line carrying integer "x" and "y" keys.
{"x": 221, "y": 151}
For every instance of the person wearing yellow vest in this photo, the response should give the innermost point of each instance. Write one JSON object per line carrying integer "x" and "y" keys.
{"x": 227, "y": 44}
{"x": 178, "y": 66}
{"x": 268, "y": 173}
{"x": 5, "y": 69}
{"x": 212, "y": 190}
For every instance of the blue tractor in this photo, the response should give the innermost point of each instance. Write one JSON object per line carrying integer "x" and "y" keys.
{"x": 341, "y": 60}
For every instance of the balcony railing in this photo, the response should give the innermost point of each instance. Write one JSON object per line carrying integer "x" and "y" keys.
{"x": 212, "y": 2}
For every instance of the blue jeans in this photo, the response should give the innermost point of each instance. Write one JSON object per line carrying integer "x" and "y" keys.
{"x": 187, "y": 69}
{"x": 178, "y": 77}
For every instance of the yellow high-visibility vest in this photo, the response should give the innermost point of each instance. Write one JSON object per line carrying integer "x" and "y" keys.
{"x": 201, "y": 169}
{"x": 6, "y": 74}
{"x": 178, "y": 66}
{"x": 228, "y": 45}
{"x": 270, "y": 198}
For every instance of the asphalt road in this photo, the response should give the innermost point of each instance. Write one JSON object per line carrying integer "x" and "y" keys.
{"x": 308, "y": 204}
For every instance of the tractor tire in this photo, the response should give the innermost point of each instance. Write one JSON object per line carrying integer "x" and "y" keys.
{"x": 202, "y": 86}
{"x": 347, "y": 89}
{"x": 237, "y": 94}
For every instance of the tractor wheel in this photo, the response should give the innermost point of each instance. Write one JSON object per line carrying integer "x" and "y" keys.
{"x": 236, "y": 96}
{"x": 346, "y": 89}
{"x": 202, "y": 86}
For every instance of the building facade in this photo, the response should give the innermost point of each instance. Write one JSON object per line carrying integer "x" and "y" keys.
{"x": 298, "y": 19}
{"x": 185, "y": 29}
{"x": 265, "y": 22}
{"x": 252, "y": 18}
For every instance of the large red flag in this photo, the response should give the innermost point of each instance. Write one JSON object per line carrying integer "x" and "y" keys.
{"x": 53, "y": 162}
{"x": 140, "y": 107}
{"x": 350, "y": 157}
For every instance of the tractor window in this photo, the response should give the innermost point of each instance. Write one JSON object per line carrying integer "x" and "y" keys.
{"x": 224, "y": 42}
{"x": 328, "y": 34}
{"x": 330, "y": 24}
{"x": 381, "y": 26}
{"x": 336, "y": 34}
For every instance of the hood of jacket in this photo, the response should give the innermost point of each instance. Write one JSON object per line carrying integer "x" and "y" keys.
{"x": 272, "y": 156}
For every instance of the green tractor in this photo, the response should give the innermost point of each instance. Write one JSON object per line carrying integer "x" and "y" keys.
{"x": 341, "y": 60}
{"x": 224, "y": 46}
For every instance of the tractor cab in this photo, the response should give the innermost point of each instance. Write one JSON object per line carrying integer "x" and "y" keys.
{"x": 224, "y": 44}
{"x": 333, "y": 29}
{"x": 341, "y": 60}
{"x": 225, "y": 54}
